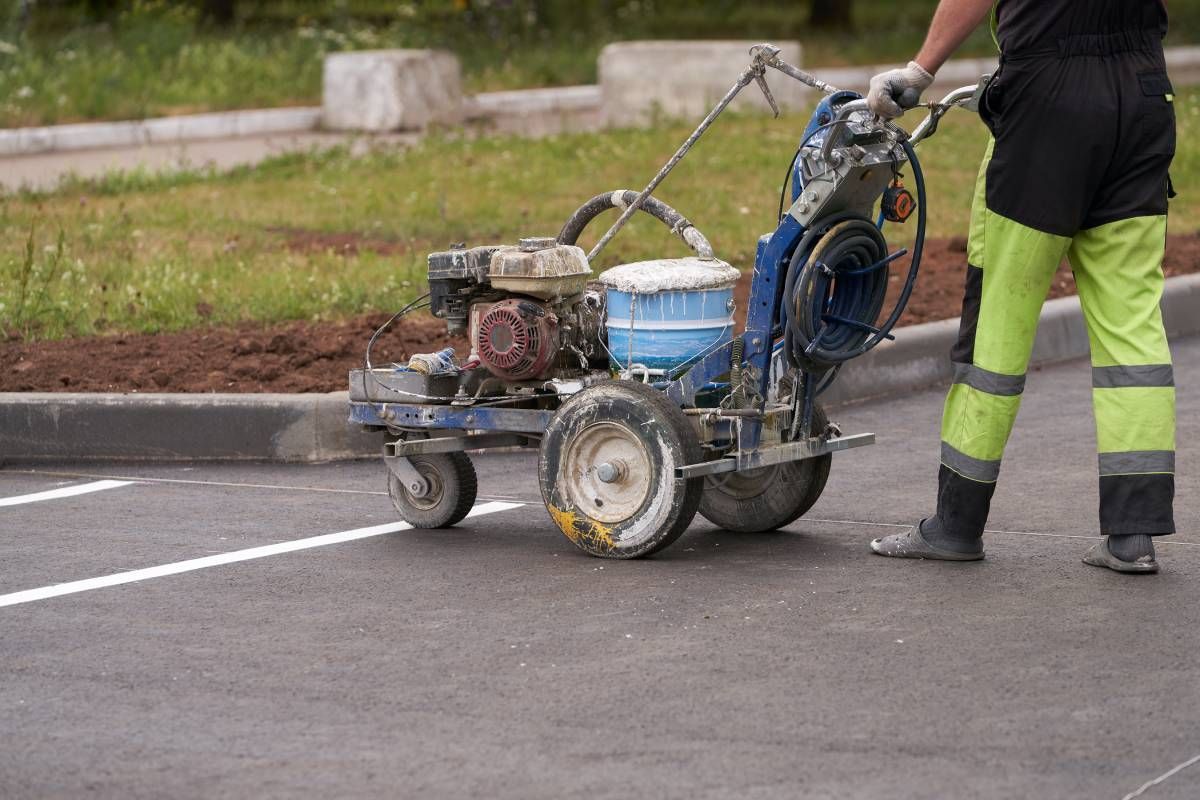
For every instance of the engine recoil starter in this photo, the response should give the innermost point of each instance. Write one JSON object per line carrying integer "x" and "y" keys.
{"x": 517, "y": 339}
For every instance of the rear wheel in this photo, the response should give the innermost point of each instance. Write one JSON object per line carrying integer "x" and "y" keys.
{"x": 607, "y": 470}
{"x": 765, "y": 499}
{"x": 448, "y": 494}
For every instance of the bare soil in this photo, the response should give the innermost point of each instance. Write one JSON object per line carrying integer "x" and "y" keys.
{"x": 315, "y": 356}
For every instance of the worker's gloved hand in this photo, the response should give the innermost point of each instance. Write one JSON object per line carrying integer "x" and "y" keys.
{"x": 894, "y": 91}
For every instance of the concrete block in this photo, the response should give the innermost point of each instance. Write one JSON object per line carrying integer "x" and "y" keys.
{"x": 686, "y": 78}
{"x": 390, "y": 90}
{"x": 1183, "y": 65}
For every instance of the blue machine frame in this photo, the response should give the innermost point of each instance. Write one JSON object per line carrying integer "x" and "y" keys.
{"x": 771, "y": 261}
{"x": 762, "y": 318}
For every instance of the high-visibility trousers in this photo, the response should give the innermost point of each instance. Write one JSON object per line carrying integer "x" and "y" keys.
{"x": 1076, "y": 168}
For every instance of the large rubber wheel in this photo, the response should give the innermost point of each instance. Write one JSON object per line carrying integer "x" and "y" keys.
{"x": 765, "y": 499}
{"x": 452, "y": 490}
{"x": 607, "y": 470}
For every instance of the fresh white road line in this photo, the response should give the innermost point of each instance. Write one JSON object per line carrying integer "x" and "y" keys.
{"x": 1149, "y": 784}
{"x": 66, "y": 491}
{"x": 235, "y": 485}
{"x": 192, "y": 564}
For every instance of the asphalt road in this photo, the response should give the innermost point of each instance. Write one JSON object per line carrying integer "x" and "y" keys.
{"x": 494, "y": 660}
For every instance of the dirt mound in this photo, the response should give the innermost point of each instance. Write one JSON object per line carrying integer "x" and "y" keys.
{"x": 315, "y": 356}
{"x": 293, "y": 357}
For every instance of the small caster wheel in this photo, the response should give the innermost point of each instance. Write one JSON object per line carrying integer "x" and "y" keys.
{"x": 765, "y": 499}
{"x": 607, "y": 470}
{"x": 448, "y": 494}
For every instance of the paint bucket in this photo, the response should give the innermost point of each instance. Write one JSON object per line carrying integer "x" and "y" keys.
{"x": 668, "y": 313}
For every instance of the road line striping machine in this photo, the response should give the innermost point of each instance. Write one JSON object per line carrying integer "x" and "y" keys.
{"x": 647, "y": 407}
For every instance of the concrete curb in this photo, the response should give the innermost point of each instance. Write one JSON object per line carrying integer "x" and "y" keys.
{"x": 313, "y": 427}
{"x": 526, "y": 112}
{"x": 172, "y": 427}
{"x": 919, "y": 358}
{"x": 161, "y": 130}
{"x": 537, "y": 112}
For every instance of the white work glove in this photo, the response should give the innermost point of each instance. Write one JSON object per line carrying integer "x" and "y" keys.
{"x": 894, "y": 91}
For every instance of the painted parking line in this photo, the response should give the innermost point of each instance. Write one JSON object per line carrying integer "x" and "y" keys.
{"x": 66, "y": 491}
{"x": 243, "y": 485}
{"x": 193, "y": 564}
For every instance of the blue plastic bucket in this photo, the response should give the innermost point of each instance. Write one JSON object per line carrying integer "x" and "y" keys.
{"x": 667, "y": 314}
{"x": 666, "y": 330}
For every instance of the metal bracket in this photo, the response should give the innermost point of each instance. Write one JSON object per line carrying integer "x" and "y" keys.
{"x": 413, "y": 481}
{"x": 776, "y": 454}
{"x": 453, "y": 444}
{"x": 980, "y": 88}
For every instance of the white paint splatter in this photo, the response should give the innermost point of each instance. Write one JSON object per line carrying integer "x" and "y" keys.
{"x": 670, "y": 274}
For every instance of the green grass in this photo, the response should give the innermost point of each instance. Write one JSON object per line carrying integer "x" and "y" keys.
{"x": 139, "y": 252}
{"x": 156, "y": 58}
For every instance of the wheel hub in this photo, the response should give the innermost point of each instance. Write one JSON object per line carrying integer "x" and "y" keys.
{"x": 607, "y": 472}
{"x": 427, "y": 492}
{"x": 745, "y": 484}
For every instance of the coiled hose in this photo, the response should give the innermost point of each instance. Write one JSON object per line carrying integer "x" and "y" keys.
{"x": 623, "y": 198}
{"x": 837, "y": 283}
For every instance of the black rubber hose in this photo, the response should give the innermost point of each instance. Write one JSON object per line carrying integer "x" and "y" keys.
{"x": 832, "y": 299}
{"x": 623, "y": 198}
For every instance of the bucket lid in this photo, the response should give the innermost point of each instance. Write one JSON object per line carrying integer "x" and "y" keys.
{"x": 670, "y": 275}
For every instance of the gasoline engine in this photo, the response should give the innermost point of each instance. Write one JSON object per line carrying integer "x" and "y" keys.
{"x": 527, "y": 310}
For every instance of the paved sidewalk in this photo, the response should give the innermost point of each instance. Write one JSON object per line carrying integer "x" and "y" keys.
{"x": 494, "y": 660}
{"x": 45, "y": 170}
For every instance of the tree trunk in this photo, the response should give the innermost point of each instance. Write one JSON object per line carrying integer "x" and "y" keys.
{"x": 831, "y": 14}
{"x": 220, "y": 12}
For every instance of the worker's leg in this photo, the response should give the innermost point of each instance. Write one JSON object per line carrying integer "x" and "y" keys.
{"x": 1032, "y": 196}
{"x": 1009, "y": 273}
{"x": 1117, "y": 257}
{"x": 1118, "y": 268}
{"x": 1010, "y": 266}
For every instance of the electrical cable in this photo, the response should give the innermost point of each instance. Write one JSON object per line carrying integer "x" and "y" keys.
{"x": 792, "y": 165}
{"x": 413, "y": 306}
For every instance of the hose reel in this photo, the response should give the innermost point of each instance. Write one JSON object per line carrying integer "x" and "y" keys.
{"x": 837, "y": 283}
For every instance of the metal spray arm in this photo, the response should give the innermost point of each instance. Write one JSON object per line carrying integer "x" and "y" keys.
{"x": 762, "y": 56}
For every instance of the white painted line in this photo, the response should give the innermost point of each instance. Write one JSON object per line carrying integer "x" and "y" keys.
{"x": 1149, "y": 784}
{"x": 192, "y": 564}
{"x": 275, "y": 486}
{"x": 66, "y": 491}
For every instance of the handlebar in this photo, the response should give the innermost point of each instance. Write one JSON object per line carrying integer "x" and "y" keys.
{"x": 962, "y": 97}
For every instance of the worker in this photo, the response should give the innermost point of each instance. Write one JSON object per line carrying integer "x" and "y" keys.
{"x": 1083, "y": 132}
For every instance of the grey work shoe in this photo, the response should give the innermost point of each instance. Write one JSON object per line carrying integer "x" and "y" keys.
{"x": 1100, "y": 556}
{"x": 911, "y": 544}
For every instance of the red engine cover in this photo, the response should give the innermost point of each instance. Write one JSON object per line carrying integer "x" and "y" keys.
{"x": 516, "y": 339}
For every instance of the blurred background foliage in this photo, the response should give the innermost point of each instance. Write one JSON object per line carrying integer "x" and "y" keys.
{"x": 71, "y": 60}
